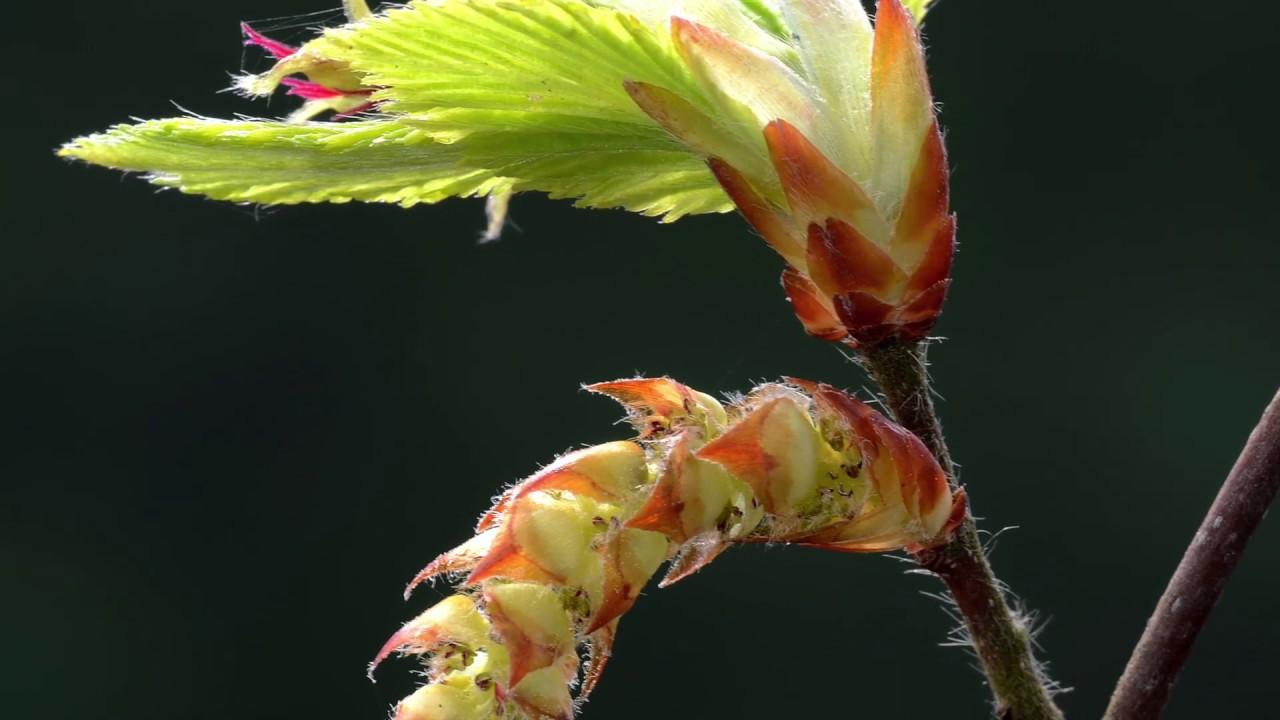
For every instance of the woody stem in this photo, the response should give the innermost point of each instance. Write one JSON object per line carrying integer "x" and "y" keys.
{"x": 1202, "y": 574}
{"x": 1000, "y": 636}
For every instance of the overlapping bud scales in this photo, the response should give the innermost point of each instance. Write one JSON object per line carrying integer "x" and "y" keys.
{"x": 561, "y": 556}
{"x": 854, "y": 195}
{"x": 817, "y": 126}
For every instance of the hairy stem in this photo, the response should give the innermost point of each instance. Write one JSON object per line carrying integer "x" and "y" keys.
{"x": 1000, "y": 636}
{"x": 1197, "y": 584}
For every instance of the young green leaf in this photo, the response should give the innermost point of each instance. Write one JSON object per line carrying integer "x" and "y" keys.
{"x": 285, "y": 163}
{"x": 394, "y": 161}
{"x": 473, "y": 65}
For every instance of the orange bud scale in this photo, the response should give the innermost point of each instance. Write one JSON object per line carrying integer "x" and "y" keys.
{"x": 800, "y": 463}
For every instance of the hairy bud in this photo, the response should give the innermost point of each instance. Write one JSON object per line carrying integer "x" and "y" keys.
{"x": 564, "y": 554}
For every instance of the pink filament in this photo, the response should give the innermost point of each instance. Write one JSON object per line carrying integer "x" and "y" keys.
{"x": 253, "y": 38}
{"x": 309, "y": 90}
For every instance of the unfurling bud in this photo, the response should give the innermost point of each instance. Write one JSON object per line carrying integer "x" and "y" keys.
{"x": 850, "y": 183}
{"x": 564, "y": 554}
{"x": 817, "y": 125}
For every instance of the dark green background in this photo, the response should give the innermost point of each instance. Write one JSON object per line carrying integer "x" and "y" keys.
{"x": 231, "y": 435}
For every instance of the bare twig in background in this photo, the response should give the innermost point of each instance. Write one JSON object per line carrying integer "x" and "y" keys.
{"x": 1197, "y": 584}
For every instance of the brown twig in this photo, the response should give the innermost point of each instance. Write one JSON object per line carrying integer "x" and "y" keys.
{"x": 1000, "y": 636}
{"x": 1200, "y": 578}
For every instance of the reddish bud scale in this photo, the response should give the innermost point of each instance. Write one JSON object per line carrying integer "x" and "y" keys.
{"x": 563, "y": 555}
{"x": 867, "y": 233}
{"x": 843, "y": 285}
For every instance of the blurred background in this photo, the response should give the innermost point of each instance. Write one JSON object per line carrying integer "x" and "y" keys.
{"x": 231, "y": 435}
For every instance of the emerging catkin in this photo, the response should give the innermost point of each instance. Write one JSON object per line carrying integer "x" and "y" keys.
{"x": 564, "y": 554}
